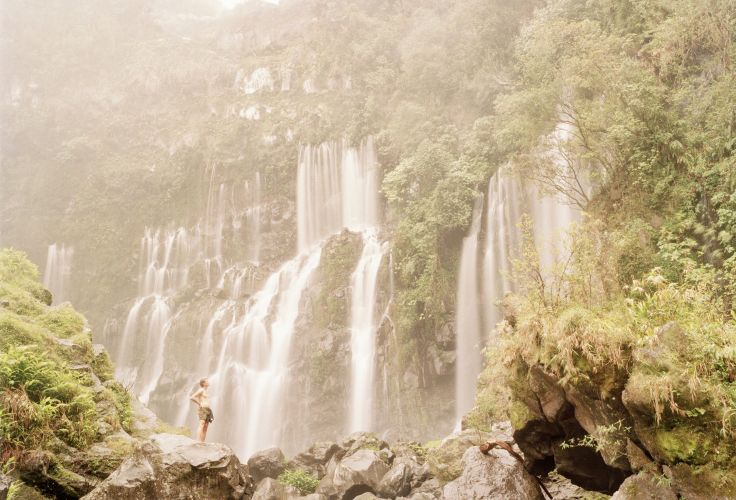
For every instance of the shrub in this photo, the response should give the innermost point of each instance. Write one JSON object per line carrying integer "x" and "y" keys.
{"x": 302, "y": 480}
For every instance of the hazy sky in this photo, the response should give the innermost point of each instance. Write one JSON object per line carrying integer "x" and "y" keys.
{"x": 229, "y": 4}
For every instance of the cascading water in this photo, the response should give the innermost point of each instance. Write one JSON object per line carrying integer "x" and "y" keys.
{"x": 243, "y": 340}
{"x": 252, "y": 367}
{"x": 504, "y": 210}
{"x": 58, "y": 271}
{"x": 337, "y": 187}
{"x": 363, "y": 332}
{"x": 508, "y": 199}
{"x": 468, "y": 319}
{"x": 167, "y": 258}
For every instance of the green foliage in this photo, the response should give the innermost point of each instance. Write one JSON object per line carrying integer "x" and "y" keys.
{"x": 302, "y": 480}
{"x": 606, "y": 438}
{"x": 46, "y": 396}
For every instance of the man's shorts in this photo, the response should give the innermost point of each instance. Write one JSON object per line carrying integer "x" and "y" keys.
{"x": 205, "y": 414}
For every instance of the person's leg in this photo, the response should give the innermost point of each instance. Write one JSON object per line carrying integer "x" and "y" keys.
{"x": 202, "y": 430}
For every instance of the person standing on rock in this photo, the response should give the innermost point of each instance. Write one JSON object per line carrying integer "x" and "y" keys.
{"x": 205, "y": 412}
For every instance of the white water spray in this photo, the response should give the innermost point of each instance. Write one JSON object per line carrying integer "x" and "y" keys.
{"x": 58, "y": 271}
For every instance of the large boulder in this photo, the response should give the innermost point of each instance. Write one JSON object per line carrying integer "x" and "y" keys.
{"x": 445, "y": 461}
{"x": 271, "y": 489}
{"x": 497, "y": 475}
{"x": 176, "y": 467}
{"x": 644, "y": 486}
{"x": 315, "y": 459}
{"x": 266, "y": 463}
{"x": 358, "y": 473}
{"x": 396, "y": 482}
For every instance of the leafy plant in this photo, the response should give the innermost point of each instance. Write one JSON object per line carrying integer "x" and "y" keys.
{"x": 300, "y": 479}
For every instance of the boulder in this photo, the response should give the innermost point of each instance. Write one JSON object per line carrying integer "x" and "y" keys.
{"x": 497, "y": 475}
{"x": 358, "y": 473}
{"x": 174, "y": 466}
{"x": 266, "y": 463}
{"x": 429, "y": 490}
{"x": 271, "y": 489}
{"x": 396, "y": 482}
{"x": 643, "y": 486}
{"x": 315, "y": 459}
{"x": 359, "y": 440}
{"x": 445, "y": 460}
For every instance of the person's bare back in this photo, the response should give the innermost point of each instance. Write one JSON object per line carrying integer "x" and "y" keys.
{"x": 202, "y": 399}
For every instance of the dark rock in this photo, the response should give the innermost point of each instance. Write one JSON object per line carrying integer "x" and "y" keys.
{"x": 638, "y": 459}
{"x": 358, "y": 473}
{"x": 173, "y": 466}
{"x": 561, "y": 488}
{"x": 445, "y": 461}
{"x": 497, "y": 475}
{"x": 705, "y": 484}
{"x": 553, "y": 414}
{"x": 429, "y": 490}
{"x": 315, "y": 459}
{"x": 271, "y": 489}
{"x": 266, "y": 463}
{"x": 643, "y": 486}
{"x": 396, "y": 482}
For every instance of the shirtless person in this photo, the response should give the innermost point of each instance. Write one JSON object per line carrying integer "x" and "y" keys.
{"x": 205, "y": 412}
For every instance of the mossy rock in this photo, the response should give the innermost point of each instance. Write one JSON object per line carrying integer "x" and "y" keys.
{"x": 684, "y": 444}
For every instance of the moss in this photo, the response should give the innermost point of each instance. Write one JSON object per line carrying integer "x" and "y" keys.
{"x": 520, "y": 414}
{"x": 102, "y": 366}
{"x": 432, "y": 444}
{"x": 165, "y": 428}
{"x": 63, "y": 320}
{"x": 21, "y": 491}
{"x": 684, "y": 444}
{"x": 339, "y": 258}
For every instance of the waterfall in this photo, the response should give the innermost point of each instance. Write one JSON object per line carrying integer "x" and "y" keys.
{"x": 252, "y": 368}
{"x": 505, "y": 207}
{"x": 167, "y": 257}
{"x": 241, "y": 340}
{"x": 363, "y": 332}
{"x": 337, "y": 187}
{"x": 467, "y": 319}
{"x": 508, "y": 199}
{"x": 58, "y": 271}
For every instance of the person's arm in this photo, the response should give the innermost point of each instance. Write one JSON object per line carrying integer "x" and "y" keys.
{"x": 196, "y": 397}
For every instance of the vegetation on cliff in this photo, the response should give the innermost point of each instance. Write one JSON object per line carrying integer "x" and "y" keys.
{"x": 640, "y": 319}
{"x": 58, "y": 397}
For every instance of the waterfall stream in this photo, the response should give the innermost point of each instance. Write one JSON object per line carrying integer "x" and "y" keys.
{"x": 58, "y": 271}
{"x": 238, "y": 336}
{"x": 468, "y": 324}
{"x": 363, "y": 332}
{"x": 508, "y": 199}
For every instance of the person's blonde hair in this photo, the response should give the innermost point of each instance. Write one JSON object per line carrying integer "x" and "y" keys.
{"x": 202, "y": 381}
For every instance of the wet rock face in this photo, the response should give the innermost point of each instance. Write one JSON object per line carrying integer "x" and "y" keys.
{"x": 173, "y": 466}
{"x": 496, "y": 476}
